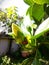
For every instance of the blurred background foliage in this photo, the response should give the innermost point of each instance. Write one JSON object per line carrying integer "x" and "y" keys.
{"x": 38, "y": 9}
{"x": 9, "y": 16}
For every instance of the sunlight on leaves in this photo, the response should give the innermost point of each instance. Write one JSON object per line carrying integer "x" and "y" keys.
{"x": 41, "y": 1}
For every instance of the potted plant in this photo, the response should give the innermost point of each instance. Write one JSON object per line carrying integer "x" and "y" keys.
{"x": 4, "y": 44}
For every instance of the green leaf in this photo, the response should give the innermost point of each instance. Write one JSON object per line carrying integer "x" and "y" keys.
{"x": 11, "y": 35}
{"x": 36, "y": 11}
{"x": 20, "y": 35}
{"x": 41, "y": 1}
{"x": 36, "y": 62}
{"x": 29, "y": 11}
{"x": 38, "y": 54}
{"x": 27, "y": 61}
{"x": 29, "y": 29}
{"x": 36, "y": 59}
{"x": 29, "y": 2}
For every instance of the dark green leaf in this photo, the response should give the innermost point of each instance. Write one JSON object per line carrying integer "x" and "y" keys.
{"x": 29, "y": 29}
{"x": 36, "y": 62}
{"x": 38, "y": 54}
{"x": 47, "y": 10}
{"x": 27, "y": 61}
{"x": 36, "y": 59}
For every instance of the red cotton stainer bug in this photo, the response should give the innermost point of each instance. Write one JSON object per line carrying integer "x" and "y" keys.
{"x": 25, "y": 41}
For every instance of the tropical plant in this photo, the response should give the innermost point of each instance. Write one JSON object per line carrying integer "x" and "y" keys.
{"x": 30, "y": 44}
{"x": 39, "y": 42}
{"x": 34, "y": 47}
{"x": 39, "y": 11}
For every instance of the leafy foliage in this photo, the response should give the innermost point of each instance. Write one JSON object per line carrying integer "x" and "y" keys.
{"x": 37, "y": 9}
{"x": 41, "y": 1}
{"x": 36, "y": 12}
{"x": 9, "y": 16}
{"x": 29, "y": 2}
{"x": 3, "y": 16}
{"x": 11, "y": 13}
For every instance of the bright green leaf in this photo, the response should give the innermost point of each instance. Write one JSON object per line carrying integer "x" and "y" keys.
{"x": 29, "y": 2}
{"x": 38, "y": 12}
{"x": 29, "y": 11}
{"x": 41, "y": 1}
